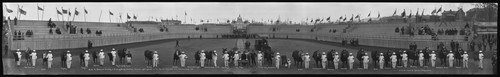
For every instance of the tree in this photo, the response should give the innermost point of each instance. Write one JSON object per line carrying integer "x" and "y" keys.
{"x": 485, "y": 11}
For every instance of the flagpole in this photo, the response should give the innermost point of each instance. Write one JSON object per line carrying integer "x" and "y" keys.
{"x": 18, "y": 7}
{"x": 62, "y": 14}
{"x": 84, "y": 15}
{"x": 57, "y": 14}
{"x": 43, "y": 12}
{"x": 74, "y": 15}
{"x": 21, "y": 15}
{"x": 37, "y": 14}
{"x": 109, "y": 15}
{"x": 69, "y": 15}
{"x": 100, "y": 16}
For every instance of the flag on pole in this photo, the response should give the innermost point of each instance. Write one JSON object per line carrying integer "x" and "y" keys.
{"x": 135, "y": 17}
{"x": 416, "y": 14}
{"x": 395, "y": 12}
{"x": 378, "y": 15}
{"x": 328, "y": 19}
{"x": 22, "y": 11}
{"x": 8, "y": 10}
{"x": 128, "y": 17}
{"x": 439, "y": 10}
{"x": 369, "y": 14}
{"x": 185, "y": 13}
{"x": 352, "y": 17}
{"x": 340, "y": 17}
{"x": 422, "y": 12}
{"x": 76, "y": 12}
{"x": 404, "y": 13}
{"x": 58, "y": 12}
{"x": 409, "y": 16}
{"x": 110, "y": 13}
{"x": 64, "y": 11}
{"x": 85, "y": 11}
{"x": 39, "y": 8}
{"x": 433, "y": 11}
{"x": 69, "y": 13}
{"x": 357, "y": 16}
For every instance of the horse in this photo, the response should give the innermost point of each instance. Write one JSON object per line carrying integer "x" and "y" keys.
{"x": 399, "y": 57}
{"x": 387, "y": 58}
{"x": 317, "y": 58}
{"x": 63, "y": 59}
{"x": 252, "y": 58}
{"x": 359, "y": 56}
{"x": 426, "y": 55}
{"x": 208, "y": 56}
{"x": 329, "y": 56}
{"x": 284, "y": 60}
{"x": 297, "y": 57}
{"x": 122, "y": 54}
{"x": 94, "y": 56}
{"x": 442, "y": 56}
{"x": 197, "y": 57}
{"x": 343, "y": 57}
{"x": 82, "y": 58}
{"x": 458, "y": 57}
{"x": 375, "y": 56}
{"x": 412, "y": 57}
{"x": 148, "y": 56}
{"x": 176, "y": 56}
{"x": 268, "y": 55}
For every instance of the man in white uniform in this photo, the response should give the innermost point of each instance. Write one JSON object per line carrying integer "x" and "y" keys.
{"x": 365, "y": 61}
{"x": 450, "y": 59}
{"x": 323, "y": 60}
{"x": 202, "y": 58}
{"x": 49, "y": 59}
{"x": 214, "y": 58}
{"x": 381, "y": 61}
{"x": 68, "y": 60}
{"x": 433, "y": 59}
{"x": 421, "y": 58}
{"x": 394, "y": 60}
{"x": 183, "y": 58}
{"x": 405, "y": 59}
{"x": 155, "y": 59}
{"x": 306, "y": 60}
{"x": 278, "y": 60}
{"x": 113, "y": 54}
{"x": 481, "y": 56}
{"x": 259, "y": 59}
{"x": 101, "y": 58}
{"x": 236, "y": 58}
{"x": 336, "y": 59}
{"x": 19, "y": 56}
{"x": 86, "y": 57}
{"x": 465, "y": 57}
{"x": 350, "y": 60}
{"x": 226, "y": 59}
{"x": 33, "y": 58}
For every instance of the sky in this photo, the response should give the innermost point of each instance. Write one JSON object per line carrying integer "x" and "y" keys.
{"x": 293, "y": 11}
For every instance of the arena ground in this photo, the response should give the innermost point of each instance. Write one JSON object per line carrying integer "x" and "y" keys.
{"x": 165, "y": 50}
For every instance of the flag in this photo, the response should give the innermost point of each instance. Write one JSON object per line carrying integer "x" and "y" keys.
{"x": 369, "y": 14}
{"x": 352, "y": 16}
{"x": 39, "y": 8}
{"x": 328, "y": 19}
{"x": 85, "y": 11}
{"x": 135, "y": 17}
{"x": 370, "y": 19}
{"x": 404, "y": 13}
{"x": 110, "y": 13}
{"x": 340, "y": 17}
{"x": 439, "y": 10}
{"x": 64, "y": 11}
{"x": 378, "y": 15}
{"x": 395, "y": 12}
{"x": 58, "y": 12}
{"x": 76, "y": 12}
{"x": 185, "y": 13}
{"x": 9, "y": 10}
{"x": 69, "y": 13}
{"x": 409, "y": 16}
{"x": 433, "y": 11}
{"x": 416, "y": 14}
{"x": 22, "y": 11}
{"x": 128, "y": 17}
{"x": 345, "y": 18}
{"x": 357, "y": 16}
{"x": 422, "y": 12}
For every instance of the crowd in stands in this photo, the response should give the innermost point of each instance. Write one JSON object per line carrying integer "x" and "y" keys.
{"x": 203, "y": 29}
{"x": 426, "y": 30}
{"x": 18, "y": 35}
{"x": 332, "y": 31}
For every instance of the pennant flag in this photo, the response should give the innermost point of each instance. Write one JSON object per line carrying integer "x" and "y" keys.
{"x": 439, "y": 10}
{"x": 416, "y": 14}
{"x": 433, "y": 11}
{"x": 64, "y": 11}
{"x": 395, "y": 12}
{"x": 422, "y": 12}
{"x": 110, "y": 13}
{"x": 345, "y": 18}
{"x": 39, "y": 8}
{"x": 58, "y": 12}
{"x": 22, "y": 11}
{"x": 352, "y": 16}
{"x": 76, "y": 12}
{"x": 369, "y": 14}
{"x": 328, "y": 19}
{"x": 85, "y": 11}
{"x": 135, "y": 17}
{"x": 128, "y": 17}
{"x": 378, "y": 15}
{"x": 409, "y": 16}
{"x": 404, "y": 13}
{"x": 340, "y": 17}
{"x": 357, "y": 16}
{"x": 69, "y": 13}
{"x": 9, "y": 10}
{"x": 185, "y": 13}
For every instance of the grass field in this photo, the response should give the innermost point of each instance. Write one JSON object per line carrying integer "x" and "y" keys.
{"x": 165, "y": 50}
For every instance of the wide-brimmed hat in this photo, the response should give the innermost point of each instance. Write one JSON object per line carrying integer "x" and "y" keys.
{"x": 182, "y": 52}
{"x": 307, "y": 53}
{"x": 86, "y": 51}
{"x": 50, "y": 51}
{"x": 68, "y": 50}
{"x": 156, "y": 51}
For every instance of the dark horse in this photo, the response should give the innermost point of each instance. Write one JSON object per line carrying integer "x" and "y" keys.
{"x": 197, "y": 57}
{"x": 458, "y": 57}
{"x": 284, "y": 60}
{"x": 208, "y": 56}
{"x": 359, "y": 56}
{"x": 375, "y": 56}
{"x": 427, "y": 57}
{"x": 82, "y": 58}
{"x": 387, "y": 58}
{"x": 297, "y": 57}
{"x": 343, "y": 57}
{"x": 148, "y": 56}
{"x": 317, "y": 58}
{"x": 176, "y": 56}
{"x": 412, "y": 57}
{"x": 441, "y": 55}
{"x": 268, "y": 55}
{"x": 329, "y": 57}
{"x": 121, "y": 55}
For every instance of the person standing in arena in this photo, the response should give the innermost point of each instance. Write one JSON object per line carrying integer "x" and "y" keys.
{"x": 86, "y": 58}
{"x": 306, "y": 59}
{"x": 405, "y": 59}
{"x": 365, "y": 61}
{"x": 421, "y": 58}
{"x": 278, "y": 60}
{"x": 465, "y": 61}
{"x": 450, "y": 59}
{"x": 49, "y": 59}
{"x": 101, "y": 58}
{"x": 259, "y": 59}
{"x": 68, "y": 60}
{"x": 323, "y": 60}
{"x": 155, "y": 59}
{"x": 336, "y": 59}
{"x": 18, "y": 57}
{"x": 177, "y": 43}
{"x": 481, "y": 56}
{"x": 113, "y": 56}
{"x": 394, "y": 60}
{"x": 350, "y": 60}
{"x": 202, "y": 58}
{"x": 381, "y": 61}
{"x": 129, "y": 58}
{"x": 33, "y": 58}
{"x": 236, "y": 59}
{"x": 183, "y": 58}
{"x": 214, "y": 57}
{"x": 433, "y": 59}
{"x": 225, "y": 56}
